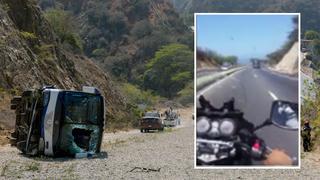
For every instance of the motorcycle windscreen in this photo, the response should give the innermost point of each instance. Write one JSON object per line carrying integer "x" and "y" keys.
{"x": 82, "y": 123}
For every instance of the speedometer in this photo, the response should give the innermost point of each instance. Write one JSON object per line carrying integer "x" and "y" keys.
{"x": 203, "y": 125}
{"x": 227, "y": 127}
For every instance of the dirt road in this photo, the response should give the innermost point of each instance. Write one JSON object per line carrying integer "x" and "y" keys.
{"x": 135, "y": 155}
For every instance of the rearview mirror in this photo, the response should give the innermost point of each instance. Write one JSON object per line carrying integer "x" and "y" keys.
{"x": 284, "y": 114}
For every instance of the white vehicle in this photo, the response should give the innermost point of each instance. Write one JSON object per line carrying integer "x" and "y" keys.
{"x": 172, "y": 118}
{"x": 225, "y": 66}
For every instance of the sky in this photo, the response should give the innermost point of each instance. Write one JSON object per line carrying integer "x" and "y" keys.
{"x": 245, "y": 36}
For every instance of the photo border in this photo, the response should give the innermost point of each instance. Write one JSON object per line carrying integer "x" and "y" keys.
{"x": 195, "y": 95}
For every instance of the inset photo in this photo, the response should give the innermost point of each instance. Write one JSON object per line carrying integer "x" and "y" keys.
{"x": 247, "y": 90}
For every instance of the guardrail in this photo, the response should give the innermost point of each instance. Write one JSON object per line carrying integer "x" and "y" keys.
{"x": 208, "y": 79}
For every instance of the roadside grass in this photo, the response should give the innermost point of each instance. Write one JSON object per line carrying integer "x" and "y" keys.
{"x": 3, "y": 170}
{"x": 122, "y": 142}
{"x": 116, "y": 143}
{"x": 169, "y": 130}
{"x": 12, "y": 169}
{"x": 69, "y": 172}
{"x": 138, "y": 139}
{"x": 33, "y": 166}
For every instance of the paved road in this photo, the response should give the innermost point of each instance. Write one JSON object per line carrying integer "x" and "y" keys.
{"x": 254, "y": 91}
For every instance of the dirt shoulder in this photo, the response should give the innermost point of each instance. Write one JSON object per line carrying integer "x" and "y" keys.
{"x": 7, "y": 118}
{"x": 129, "y": 155}
{"x": 4, "y": 134}
{"x": 135, "y": 155}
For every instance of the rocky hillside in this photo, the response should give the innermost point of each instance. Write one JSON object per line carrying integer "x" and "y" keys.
{"x": 31, "y": 56}
{"x": 122, "y": 36}
{"x": 309, "y": 9}
{"x": 204, "y": 60}
{"x": 290, "y": 61}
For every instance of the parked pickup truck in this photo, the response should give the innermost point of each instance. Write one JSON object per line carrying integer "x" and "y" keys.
{"x": 151, "y": 121}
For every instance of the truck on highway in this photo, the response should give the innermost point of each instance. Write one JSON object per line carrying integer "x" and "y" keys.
{"x": 256, "y": 64}
{"x": 57, "y": 122}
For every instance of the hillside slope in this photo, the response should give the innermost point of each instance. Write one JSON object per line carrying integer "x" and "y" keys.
{"x": 122, "y": 36}
{"x": 205, "y": 61}
{"x": 31, "y": 56}
{"x": 309, "y": 9}
{"x": 289, "y": 62}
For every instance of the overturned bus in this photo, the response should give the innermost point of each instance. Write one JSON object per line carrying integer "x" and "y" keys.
{"x": 56, "y": 122}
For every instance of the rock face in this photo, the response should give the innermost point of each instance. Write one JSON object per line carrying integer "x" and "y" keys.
{"x": 31, "y": 56}
{"x": 289, "y": 62}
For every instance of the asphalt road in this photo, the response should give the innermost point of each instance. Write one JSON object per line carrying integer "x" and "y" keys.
{"x": 254, "y": 91}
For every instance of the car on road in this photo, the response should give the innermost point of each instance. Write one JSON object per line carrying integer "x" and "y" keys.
{"x": 151, "y": 121}
{"x": 225, "y": 66}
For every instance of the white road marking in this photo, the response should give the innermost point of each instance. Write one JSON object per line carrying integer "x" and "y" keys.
{"x": 273, "y": 95}
{"x": 254, "y": 75}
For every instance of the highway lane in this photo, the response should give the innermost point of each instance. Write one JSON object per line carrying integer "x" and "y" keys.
{"x": 254, "y": 91}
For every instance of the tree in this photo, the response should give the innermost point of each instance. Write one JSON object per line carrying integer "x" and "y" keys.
{"x": 141, "y": 29}
{"x": 311, "y": 35}
{"x": 60, "y": 21}
{"x": 231, "y": 59}
{"x": 170, "y": 70}
{"x": 316, "y": 47}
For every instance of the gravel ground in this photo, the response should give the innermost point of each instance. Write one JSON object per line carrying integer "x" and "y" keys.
{"x": 135, "y": 155}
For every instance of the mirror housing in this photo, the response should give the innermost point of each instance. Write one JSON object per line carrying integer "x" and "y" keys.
{"x": 284, "y": 114}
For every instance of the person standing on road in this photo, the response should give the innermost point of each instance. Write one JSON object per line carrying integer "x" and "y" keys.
{"x": 306, "y": 136}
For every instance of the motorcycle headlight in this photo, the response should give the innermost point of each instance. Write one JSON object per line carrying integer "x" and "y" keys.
{"x": 227, "y": 127}
{"x": 203, "y": 125}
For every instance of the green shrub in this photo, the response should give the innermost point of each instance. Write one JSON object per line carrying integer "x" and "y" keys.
{"x": 61, "y": 22}
{"x": 186, "y": 95}
{"x": 28, "y": 35}
{"x": 310, "y": 110}
{"x": 99, "y": 52}
{"x": 138, "y": 96}
{"x": 44, "y": 51}
{"x": 31, "y": 38}
{"x": 170, "y": 70}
